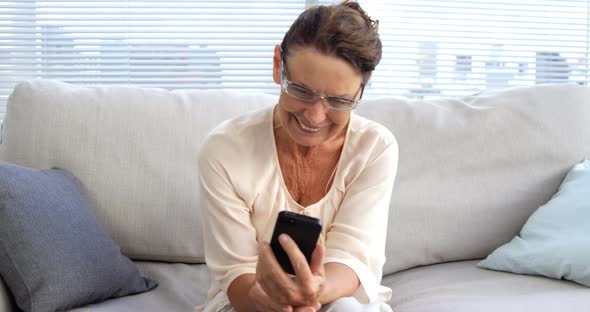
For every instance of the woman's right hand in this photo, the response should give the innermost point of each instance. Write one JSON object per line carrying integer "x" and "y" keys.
{"x": 263, "y": 302}
{"x": 303, "y": 290}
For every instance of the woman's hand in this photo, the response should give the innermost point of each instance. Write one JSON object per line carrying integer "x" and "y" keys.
{"x": 263, "y": 302}
{"x": 303, "y": 290}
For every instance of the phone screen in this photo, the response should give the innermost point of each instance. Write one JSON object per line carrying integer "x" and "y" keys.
{"x": 304, "y": 230}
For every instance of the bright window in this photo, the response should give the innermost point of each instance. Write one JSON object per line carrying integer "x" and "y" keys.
{"x": 460, "y": 47}
{"x": 431, "y": 48}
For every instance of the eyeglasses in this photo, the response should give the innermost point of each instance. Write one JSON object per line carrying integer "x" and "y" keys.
{"x": 305, "y": 94}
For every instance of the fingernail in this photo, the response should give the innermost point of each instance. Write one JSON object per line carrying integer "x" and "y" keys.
{"x": 283, "y": 238}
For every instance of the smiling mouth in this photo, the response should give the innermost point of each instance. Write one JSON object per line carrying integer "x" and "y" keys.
{"x": 304, "y": 127}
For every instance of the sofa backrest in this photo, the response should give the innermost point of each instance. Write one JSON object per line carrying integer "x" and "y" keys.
{"x": 471, "y": 170}
{"x": 133, "y": 149}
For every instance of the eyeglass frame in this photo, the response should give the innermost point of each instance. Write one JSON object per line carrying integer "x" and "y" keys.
{"x": 285, "y": 83}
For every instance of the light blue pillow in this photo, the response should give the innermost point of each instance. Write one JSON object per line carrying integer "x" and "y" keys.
{"x": 555, "y": 241}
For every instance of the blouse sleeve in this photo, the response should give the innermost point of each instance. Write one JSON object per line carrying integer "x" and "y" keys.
{"x": 229, "y": 236}
{"x": 357, "y": 235}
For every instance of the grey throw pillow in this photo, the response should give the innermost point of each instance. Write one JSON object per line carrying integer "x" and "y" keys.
{"x": 53, "y": 253}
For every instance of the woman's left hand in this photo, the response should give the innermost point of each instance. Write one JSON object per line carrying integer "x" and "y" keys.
{"x": 305, "y": 288}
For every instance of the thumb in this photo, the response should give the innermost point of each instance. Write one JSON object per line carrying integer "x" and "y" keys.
{"x": 317, "y": 260}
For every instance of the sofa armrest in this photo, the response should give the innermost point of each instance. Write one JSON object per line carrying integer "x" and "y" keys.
{"x": 6, "y": 302}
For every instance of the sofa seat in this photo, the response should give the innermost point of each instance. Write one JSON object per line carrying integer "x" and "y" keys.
{"x": 463, "y": 287}
{"x": 181, "y": 288}
{"x": 453, "y": 287}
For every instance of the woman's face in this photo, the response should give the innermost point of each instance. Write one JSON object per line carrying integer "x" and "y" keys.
{"x": 313, "y": 123}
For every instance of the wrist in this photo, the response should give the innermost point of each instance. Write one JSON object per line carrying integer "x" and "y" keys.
{"x": 240, "y": 293}
{"x": 340, "y": 281}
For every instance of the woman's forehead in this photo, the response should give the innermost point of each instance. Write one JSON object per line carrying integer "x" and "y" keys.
{"x": 317, "y": 70}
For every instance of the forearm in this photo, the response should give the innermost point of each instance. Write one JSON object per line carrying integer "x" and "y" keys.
{"x": 238, "y": 290}
{"x": 341, "y": 281}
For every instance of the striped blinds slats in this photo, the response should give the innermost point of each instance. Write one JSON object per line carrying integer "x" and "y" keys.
{"x": 430, "y": 47}
{"x": 166, "y": 44}
{"x": 454, "y": 47}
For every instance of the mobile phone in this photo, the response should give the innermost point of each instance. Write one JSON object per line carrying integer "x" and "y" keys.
{"x": 304, "y": 230}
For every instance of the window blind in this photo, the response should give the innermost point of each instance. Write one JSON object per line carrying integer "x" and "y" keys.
{"x": 460, "y": 47}
{"x": 189, "y": 44}
{"x": 430, "y": 48}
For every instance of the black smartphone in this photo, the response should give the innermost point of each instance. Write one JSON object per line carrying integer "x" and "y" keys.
{"x": 304, "y": 230}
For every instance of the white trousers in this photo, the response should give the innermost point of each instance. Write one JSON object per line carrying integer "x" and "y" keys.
{"x": 347, "y": 304}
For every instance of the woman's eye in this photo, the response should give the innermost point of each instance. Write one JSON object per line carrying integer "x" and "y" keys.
{"x": 341, "y": 102}
{"x": 301, "y": 92}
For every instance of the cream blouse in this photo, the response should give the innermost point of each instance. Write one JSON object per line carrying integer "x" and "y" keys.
{"x": 243, "y": 190}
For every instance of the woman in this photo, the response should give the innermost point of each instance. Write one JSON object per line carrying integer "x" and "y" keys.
{"x": 308, "y": 154}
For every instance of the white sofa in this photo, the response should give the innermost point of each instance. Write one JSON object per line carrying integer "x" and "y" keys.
{"x": 471, "y": 171}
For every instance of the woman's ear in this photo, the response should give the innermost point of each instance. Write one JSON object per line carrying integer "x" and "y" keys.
{"x": 277, "y": 64}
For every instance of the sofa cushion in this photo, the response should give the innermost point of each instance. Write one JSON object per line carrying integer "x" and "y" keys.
{"x": 134, "y": 149}
{"x": 555, "y": 241}
{"x": 182, "y": 287}
{"x": 6, "y": 301}
{"x": 473, "y": 169}
{"x": 462, "y": 287}
{"x": 53, "y": 253}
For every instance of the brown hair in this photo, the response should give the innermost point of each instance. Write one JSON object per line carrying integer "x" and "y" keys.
{"x": 343, "y": 30}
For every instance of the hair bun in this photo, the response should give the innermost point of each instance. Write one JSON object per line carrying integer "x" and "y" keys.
{"x": 371, "y": 23}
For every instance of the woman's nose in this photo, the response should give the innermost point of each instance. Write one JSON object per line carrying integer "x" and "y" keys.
{"x": 317, "y": 112}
